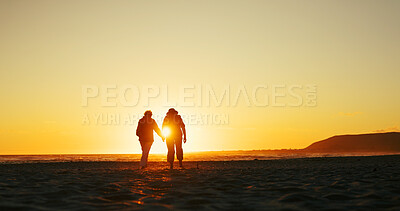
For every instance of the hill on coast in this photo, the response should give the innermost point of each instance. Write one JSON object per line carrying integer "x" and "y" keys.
{"x": 374, "y": 142}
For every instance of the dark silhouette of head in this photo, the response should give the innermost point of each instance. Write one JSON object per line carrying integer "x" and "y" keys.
{"x": 148, "y": 114}
{"x": 172, "y": 112}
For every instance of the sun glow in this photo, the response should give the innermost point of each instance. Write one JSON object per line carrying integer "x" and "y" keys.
{"x": 166, "y": 131}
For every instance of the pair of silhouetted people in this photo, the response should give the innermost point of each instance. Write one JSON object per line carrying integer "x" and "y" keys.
{"x": 172, "y": 123}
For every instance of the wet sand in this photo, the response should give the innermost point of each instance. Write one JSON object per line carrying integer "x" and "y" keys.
{"x": 336, "y": 183}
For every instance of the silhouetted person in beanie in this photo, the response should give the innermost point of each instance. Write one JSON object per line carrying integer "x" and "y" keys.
{"x": 174, "y": 125}
{"x": 144, "y": 130}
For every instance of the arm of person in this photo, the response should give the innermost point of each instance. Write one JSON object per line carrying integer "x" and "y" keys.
{"x": 164, "y": 123}
{"x": 158, "y": 131}
{"x": 183, "y": 131}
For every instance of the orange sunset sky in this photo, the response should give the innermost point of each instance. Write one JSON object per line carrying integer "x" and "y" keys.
{"x": 51, "y": 51}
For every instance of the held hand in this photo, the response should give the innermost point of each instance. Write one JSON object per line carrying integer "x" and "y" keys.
{"x": 184, "y": 140}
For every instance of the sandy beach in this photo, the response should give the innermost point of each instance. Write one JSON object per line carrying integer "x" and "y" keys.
{"x": 336, "y": 183}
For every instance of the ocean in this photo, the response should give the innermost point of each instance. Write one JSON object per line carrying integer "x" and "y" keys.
{"x": 191, "y": 156}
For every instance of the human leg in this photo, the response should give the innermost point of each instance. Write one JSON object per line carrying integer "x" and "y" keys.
{"x": 179, "y": 151}
{"x": 145, "y": 153}
{"x": 171, "y": 152}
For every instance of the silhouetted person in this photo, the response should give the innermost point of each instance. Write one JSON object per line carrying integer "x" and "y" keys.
{"x": 173, "y": 122}
{"x": 144, "y": 130}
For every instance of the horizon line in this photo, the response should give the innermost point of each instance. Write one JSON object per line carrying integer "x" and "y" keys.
{"x": 233, "y": 150}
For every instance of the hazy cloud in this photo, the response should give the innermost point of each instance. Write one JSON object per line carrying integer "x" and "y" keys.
{"x": 389, "y": 129}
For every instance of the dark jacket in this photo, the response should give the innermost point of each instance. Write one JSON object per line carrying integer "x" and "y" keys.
{"x": 145, "y": 129}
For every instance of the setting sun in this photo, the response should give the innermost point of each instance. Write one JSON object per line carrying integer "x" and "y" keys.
{"x": 166, "y": 131}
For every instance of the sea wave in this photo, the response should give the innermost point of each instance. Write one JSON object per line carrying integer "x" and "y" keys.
{"x": 198, "y": 156}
